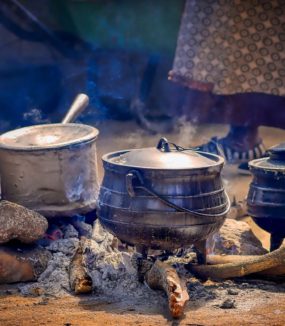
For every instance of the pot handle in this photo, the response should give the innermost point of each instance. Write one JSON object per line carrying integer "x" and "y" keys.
{"x": 78, "y": 106}
{"x": 135, "y": 175}
{"x": 130, "y": 177}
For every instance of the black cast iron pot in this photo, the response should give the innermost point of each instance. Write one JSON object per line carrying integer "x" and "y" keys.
{"x": 266, "y": 197}
{"x": 164, "y": 197}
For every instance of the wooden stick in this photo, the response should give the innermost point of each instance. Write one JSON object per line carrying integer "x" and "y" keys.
{"x": 80, "y": 281}
{"x": 225, "y": 259}
{"x": 241, "y": 268}
{"x": 164, "y": 277}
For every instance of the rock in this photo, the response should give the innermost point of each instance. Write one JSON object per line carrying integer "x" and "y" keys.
{"x": 228, "y": 304}
{"x": 18, "y": 222}
{"x": 17, "y": 265}
{"x": 236, "y": 238}
{"x": 232, "y": 292}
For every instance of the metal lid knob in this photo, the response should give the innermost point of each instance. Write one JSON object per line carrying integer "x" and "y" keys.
{"x": 163, "y": 145}
{"x": 277, "y": 153}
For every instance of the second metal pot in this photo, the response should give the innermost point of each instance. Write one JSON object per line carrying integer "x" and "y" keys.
{"x": 266, "y": 196}
{"x": 51, "y": 168}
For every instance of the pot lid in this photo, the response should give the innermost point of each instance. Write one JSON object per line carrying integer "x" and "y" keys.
{"x": 275, "y": 160}
{"x": 166, "y": 156}
{"x": 47, "y": 136}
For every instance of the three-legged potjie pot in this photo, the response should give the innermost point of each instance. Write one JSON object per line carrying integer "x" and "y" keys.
{"x": 164, "y": 197}
{"x": 266, "y": 197}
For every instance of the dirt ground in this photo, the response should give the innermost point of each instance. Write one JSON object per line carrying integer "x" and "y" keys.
{"x": 254, "y": 304}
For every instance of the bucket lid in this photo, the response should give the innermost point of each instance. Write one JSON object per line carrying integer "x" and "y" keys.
{"x": 165, "y": 156}
{"x": 275, "y": 161}
{"x": 47, "y": 136}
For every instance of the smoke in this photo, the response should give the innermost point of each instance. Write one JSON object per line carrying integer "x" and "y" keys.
{"x": 35, "y": 116}
{"x": 186, "y": 131}
{"x": 4, "y": 125}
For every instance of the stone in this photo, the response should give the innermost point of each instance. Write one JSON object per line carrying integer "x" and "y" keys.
{"x": 232, "y": 292}
{"x": 235, "y": 238}
{"x": 22, "y": 265}
{"x": 20, "y": 223}
{"x": 228, "y": 304}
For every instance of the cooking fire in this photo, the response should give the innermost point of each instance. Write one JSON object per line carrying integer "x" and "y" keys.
{"x": 142, "y": 162}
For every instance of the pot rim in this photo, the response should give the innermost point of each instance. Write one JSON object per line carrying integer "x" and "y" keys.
{"x": 106, "y": 159}
{"x": 253, "y": 166}
{"x": 92, "y": 134}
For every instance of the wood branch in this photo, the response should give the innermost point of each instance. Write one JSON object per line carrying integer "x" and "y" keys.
{"x": 225, "y": 259}
{"x": 164, "y": 277}
{"x": 80, "y": 281}
{"x": 241, "y": 268}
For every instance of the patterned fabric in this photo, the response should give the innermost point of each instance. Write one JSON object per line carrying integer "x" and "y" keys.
{"x": 232, "y": 46}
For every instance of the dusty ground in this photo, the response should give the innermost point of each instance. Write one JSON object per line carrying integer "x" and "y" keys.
{"x": 255, "y": 303}
{"x": 253, "y": 306}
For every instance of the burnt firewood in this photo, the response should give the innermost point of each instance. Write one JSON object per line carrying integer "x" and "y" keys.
{"x": 225, "y": 259}
{"x": 164, "y": 277}
{"x": 245, "y": 266}
{"x": 80, "y": 281}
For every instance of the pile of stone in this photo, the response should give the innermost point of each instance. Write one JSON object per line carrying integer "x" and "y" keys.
{"x": 21, "y": 259}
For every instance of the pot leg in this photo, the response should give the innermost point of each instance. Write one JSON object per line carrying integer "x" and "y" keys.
{"x": 142, "y": 262}
{"x": 143, "y": 250}
{"x": 275, "y": 241}
{"x": 200, "y": 248}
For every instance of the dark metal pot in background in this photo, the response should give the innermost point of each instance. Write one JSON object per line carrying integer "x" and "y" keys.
{"x": 266, "y": 197}
{"x": 162, "y": 198}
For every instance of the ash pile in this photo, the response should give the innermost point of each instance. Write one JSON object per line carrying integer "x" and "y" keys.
{"x": 48, "y": 256}
{"x": 77, "y": 255}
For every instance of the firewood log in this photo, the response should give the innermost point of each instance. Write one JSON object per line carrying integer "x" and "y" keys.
{"x": 80, "y": 281}
{"x": 164, "y": 277}
{"x": 241, "y": 268}
{"x": 225, "y": 259}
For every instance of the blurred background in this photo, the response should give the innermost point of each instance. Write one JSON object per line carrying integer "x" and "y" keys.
{"x": 119, "y": 52}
